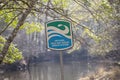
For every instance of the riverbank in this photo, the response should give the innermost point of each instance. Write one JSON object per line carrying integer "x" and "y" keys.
{"x": 103, "y": 73}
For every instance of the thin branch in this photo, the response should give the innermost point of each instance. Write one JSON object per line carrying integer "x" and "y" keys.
{"x": 46, "y": 12}
{"x": 71, "y": 19}
{"x": 9, "y": 23}
{"x": 55, "y": 10}
{"x": 12, "y": 8}
{"x": 25, "y": 3}
{"x": 86, "y": 7}
{"x": 1, "y": 7}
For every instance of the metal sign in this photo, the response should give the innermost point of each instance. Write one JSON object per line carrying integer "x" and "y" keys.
{"x": 59, "y": 35}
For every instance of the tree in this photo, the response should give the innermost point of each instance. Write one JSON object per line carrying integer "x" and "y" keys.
{"x": 99, "y": 35}
{"x": 91, "y": 21}
{"x": 16, "y": 29}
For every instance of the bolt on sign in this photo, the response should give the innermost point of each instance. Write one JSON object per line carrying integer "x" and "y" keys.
{"x": 59, "y": 35}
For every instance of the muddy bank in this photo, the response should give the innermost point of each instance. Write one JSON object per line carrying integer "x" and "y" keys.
{"x": 104, "y": 73}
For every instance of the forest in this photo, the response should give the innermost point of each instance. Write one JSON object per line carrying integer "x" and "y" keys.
{"x": 95, "y": 27}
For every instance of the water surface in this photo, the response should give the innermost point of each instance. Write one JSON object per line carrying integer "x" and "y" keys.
{"x": 51, "y": 71}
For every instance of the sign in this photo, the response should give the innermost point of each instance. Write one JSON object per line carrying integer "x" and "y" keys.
{"x": 59, "y": 35}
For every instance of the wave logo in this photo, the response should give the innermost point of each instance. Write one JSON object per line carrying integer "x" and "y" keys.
{"x": 59, "y": 34}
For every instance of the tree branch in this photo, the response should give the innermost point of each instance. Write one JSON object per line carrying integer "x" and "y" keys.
{"x": 9, "y": 23}
{"x": 1, "y": 7}
{"x": 25, "y": 3}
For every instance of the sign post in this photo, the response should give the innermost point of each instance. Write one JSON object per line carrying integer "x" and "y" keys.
{"x": 61, "y": 66}
{"x": 59, "y": 37}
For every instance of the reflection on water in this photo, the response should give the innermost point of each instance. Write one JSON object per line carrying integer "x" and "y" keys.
{"x": 51, "y": 71}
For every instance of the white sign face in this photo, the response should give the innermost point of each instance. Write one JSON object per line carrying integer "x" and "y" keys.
{"x": 59, "y": 35}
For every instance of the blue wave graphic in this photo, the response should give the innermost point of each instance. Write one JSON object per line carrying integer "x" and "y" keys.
{"x": 59, "y": 41}
{"x": 50, "y": 30}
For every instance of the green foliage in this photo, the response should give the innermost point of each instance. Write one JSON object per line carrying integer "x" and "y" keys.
{"x": 2, "y": 40}
{"x": 98, "y": 15}
{"x": 7, "y": 16}
{"x": 79, "y": 12}
{"x": 32, "y": 27}
{"x": 103, "y": 10}
{"x": 58, "y": 3}
{"x": 13, "y": 53}
{"x": 91, "y": 34}
{"x": 45, "y": 1}
{"x": 61, "y": 3}
{"x": 29, "y": 27}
